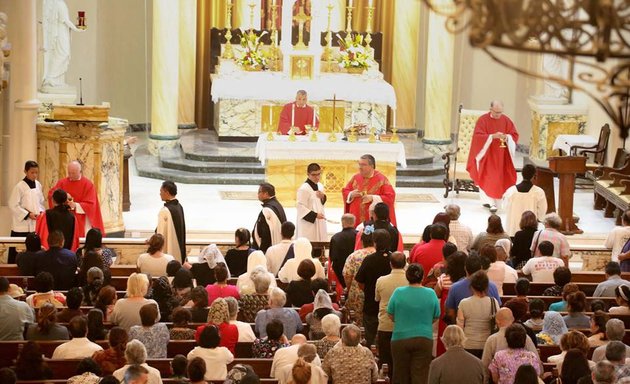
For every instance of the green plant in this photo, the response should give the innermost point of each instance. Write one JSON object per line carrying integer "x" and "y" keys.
{"x": 253, "y": 57}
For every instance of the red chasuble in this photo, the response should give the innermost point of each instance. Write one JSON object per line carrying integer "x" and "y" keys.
{"x": 375, "y": 185}
{"x": 84, "y": 193}
{"x": 303, "y": 116}
{"x": 494, "y": 173}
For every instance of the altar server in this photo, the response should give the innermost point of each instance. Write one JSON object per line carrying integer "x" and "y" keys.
{"x": 524, "y": 196}
{"x": 171, "y": 223}
{"x": 267, "y": 230}
{"x": 26, "y": 203}
{"x": 311, "y": 221}
{"x": 297, "y": 114}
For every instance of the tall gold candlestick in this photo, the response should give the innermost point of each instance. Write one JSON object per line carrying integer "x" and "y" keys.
{"x": 228, "y": 52}
{"x": 328, "y": 49}
{"x": 368, "y": 29}
{"x": 251, "y": 6}
{"x": 349, "y": 18}
{"x": 274, "y": 38}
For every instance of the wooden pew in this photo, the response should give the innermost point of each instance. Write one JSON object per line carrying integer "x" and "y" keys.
{"x": 64, "y": 369}
{"x": 610, "y": 301}
{"x": 537, "y": 289}
{"x": 26, "y": 282}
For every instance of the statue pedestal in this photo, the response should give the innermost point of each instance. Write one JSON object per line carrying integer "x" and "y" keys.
{"x": 551, "y": 120}
{"x": 57, "y": 98}
{"x": 87, "y": 134}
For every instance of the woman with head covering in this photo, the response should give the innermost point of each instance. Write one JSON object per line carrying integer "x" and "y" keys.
{"x": 219, "y": 316}
{"x": 163, "y": 295}
{"x": 203, "y": 270}
{"x": 302, "y": 248}
{"x": 47, "y": 327}
{"x": 322, "y": 307}
{"x": 95, "y": 280}
{"x": 553, "y": 329}
{"x": 256, "y": 260}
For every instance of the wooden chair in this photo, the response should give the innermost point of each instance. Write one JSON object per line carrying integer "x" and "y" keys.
{"x": 598, "y": 151}
{"x": 456, "y": 177}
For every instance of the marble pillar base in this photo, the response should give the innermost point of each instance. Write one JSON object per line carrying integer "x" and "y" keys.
{"x": 186, "y": 125}
{"x": 155, "y": 144}
{"x": 99, "y": 146}
{"x": 245, "y": 118}
{"x": 549, "y": 121}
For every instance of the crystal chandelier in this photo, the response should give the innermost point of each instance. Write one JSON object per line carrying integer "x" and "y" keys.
{"x": 594, "y": 34}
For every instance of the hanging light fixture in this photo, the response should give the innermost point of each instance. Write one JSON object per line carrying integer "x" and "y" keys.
{"x": 594, "y": 34}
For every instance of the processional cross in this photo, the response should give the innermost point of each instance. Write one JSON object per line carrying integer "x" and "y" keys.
{"x": 301, "y": 18}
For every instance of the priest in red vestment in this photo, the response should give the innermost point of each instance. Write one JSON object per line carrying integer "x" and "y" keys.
{"x": 365, "y": 187}
{"x": 491, "y": 158}
{"x": 297, "y": 114}
{"x": 82, "y": 199}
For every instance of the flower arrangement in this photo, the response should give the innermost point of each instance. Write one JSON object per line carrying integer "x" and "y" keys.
{"x": 253, "y": 58}
{"x": 353, "y": 53}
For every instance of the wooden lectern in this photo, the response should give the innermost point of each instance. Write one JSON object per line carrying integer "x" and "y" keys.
{"x": 565, "y": 167}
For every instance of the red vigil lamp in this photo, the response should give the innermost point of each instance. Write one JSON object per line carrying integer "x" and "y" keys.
{"x": 81, "y": 20}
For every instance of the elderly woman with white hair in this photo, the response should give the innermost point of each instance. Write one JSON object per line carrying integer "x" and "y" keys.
{"x": 302, "y": 249}
{"x": 551, "y": 233}
{"x": 136, "y": 354}
{"x": 331, "y": 326}
{"x": 256, "y": 263}
{"x": 288, "y": 316}
{"x": 245, "y": 331}
{"x": 126, "y": 312}
{"x": 250, "y": 304}
{"x": 469, "y": 368}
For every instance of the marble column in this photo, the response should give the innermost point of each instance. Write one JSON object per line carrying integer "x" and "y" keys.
{"x": 438, "y": 96}
{"x": 187, "y": 63}
{"x": 22, "y": 143}
{"x": 406, "y": 35}
{"x": 165, "y": 76}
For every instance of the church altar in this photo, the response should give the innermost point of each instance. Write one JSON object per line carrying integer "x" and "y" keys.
{"x": 285, "y": 163}
{"x": 241, "y": 99}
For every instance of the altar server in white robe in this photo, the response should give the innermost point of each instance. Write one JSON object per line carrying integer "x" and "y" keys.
{"x": 524, "y": 196}
{"x": 26, "y": 203}
{"x": 311, "y": 198}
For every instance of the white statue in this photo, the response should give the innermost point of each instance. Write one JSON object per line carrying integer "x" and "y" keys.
{"x": 56, "y": 35}
{"x": 553, "y": 65}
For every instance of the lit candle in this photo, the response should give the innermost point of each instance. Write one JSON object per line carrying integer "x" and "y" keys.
{"x": 293, "y": 115}
{"x": 393, "y": 118}
{"x": 314, "y": 113}
{"x": 370, "y": 3}
{"x": 350, "y": 3}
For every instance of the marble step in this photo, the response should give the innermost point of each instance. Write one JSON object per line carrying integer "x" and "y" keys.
{"x": 420, "y": 170}
{"x": 419, "y": 182}
{"x": 236, "y": 156}
{"x": 179, "y": 176}
{"x": 214, "y": 167}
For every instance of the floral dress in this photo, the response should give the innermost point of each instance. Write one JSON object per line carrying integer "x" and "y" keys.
{"x": 355, "y": 298}
{"x": 506, "y": 362}
{"x": 265, "y": 348}
{"x": 249, "y": 305}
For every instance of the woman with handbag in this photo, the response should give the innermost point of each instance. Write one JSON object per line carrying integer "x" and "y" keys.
{"x": 475, "y": 314}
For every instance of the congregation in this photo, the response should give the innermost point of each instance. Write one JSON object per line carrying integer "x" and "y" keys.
{"x": 365, "y": 313}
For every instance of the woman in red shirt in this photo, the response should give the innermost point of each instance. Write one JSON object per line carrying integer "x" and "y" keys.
{"x": 219, "y": 315}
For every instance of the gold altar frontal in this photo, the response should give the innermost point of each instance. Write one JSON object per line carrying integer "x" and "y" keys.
{"x": 288, "y": 175}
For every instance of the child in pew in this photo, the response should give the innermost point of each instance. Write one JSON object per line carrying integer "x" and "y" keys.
{"x": 179, "y": 366}
{"x": 536, "y": 311}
